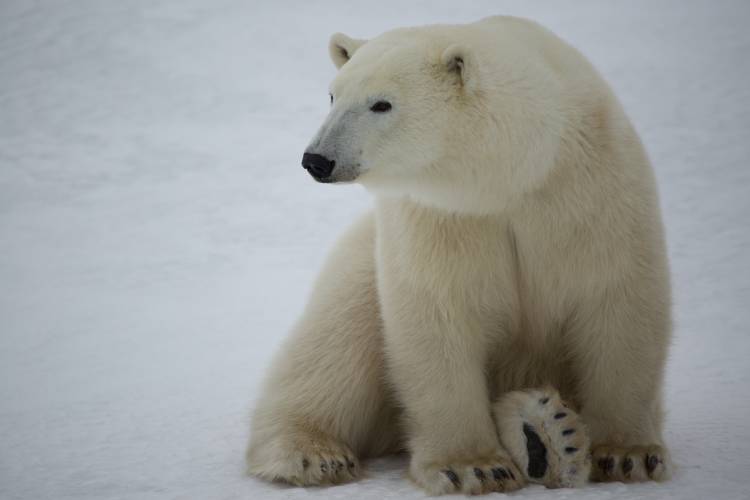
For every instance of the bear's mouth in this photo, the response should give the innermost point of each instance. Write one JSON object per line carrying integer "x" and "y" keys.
{"x": 324, "y": 180}
{"x": 339, "y": 175}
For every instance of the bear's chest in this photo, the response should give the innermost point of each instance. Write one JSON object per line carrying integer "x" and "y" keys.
{"x": 506, "y": 278}
{"x": 451, "y": 259}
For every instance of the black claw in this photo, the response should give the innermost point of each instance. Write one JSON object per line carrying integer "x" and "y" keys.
{"x": 479, "y": 473}
{"x": 568, "y": 432}
{"x": 512, "y": 476}
{"x": 606, "y": 464}
{"x": 323, "y": 467}
{"x": 544, "y": 401}
{"x": 651, "y": 462}
{"x": 349, "y": 463}
{"x": 627, "y": 465}
{"x": 453, "y": 477}
{"x": 499, "y": 474}
{"x": 560, "y": 415}
{"x": 305, "y": 463}
{"x": 571, "y": 449}
{"x": 339, "y": 464}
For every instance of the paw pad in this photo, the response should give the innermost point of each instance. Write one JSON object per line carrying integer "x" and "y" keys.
{"x": 544, "y": 436}
{"x": 537, "y": 452}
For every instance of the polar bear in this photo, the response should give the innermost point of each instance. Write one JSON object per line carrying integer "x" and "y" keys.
{"x": 503, "y": 314}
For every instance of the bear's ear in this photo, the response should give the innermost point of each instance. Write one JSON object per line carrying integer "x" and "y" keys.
{"x": 342, "y": 48}
{"x": 459, "y": 60}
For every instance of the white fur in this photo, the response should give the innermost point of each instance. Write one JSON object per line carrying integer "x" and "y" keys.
{"x": 516, "y": 241}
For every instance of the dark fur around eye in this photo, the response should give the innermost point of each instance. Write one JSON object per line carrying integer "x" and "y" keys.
{"x": 381, "y": 107}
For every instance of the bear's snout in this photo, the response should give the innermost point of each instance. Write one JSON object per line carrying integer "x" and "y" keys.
{"x": 318, "y": 166}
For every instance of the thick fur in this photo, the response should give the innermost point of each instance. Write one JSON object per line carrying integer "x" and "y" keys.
{"x": 516, "y": 242}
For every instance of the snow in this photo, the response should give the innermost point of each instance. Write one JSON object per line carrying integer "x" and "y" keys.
{"x": 158, "y": 236}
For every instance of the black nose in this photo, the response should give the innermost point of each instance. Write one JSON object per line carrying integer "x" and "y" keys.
{"x": 319, "y": 166}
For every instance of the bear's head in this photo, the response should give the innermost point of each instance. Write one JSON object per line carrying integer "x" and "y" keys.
{"x": 435, "y": 116}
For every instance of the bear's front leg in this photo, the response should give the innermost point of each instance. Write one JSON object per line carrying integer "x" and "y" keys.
{"x": 437, "y": 367}
{"x": 619, "y": 358}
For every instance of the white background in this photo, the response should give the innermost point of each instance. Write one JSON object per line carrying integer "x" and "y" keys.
{"x": 158, "y": 236}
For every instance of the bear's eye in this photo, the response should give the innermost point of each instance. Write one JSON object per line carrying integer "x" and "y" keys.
{"x": 331, "y": 96}
{"x": 381, "y": 107}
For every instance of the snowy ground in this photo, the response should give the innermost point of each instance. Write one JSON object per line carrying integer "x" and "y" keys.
{"x": 158, "y": 236}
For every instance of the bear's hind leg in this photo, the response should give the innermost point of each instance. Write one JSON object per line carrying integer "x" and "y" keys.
{"x": 303, "y": 457}
{"x": 325, "y": 403}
